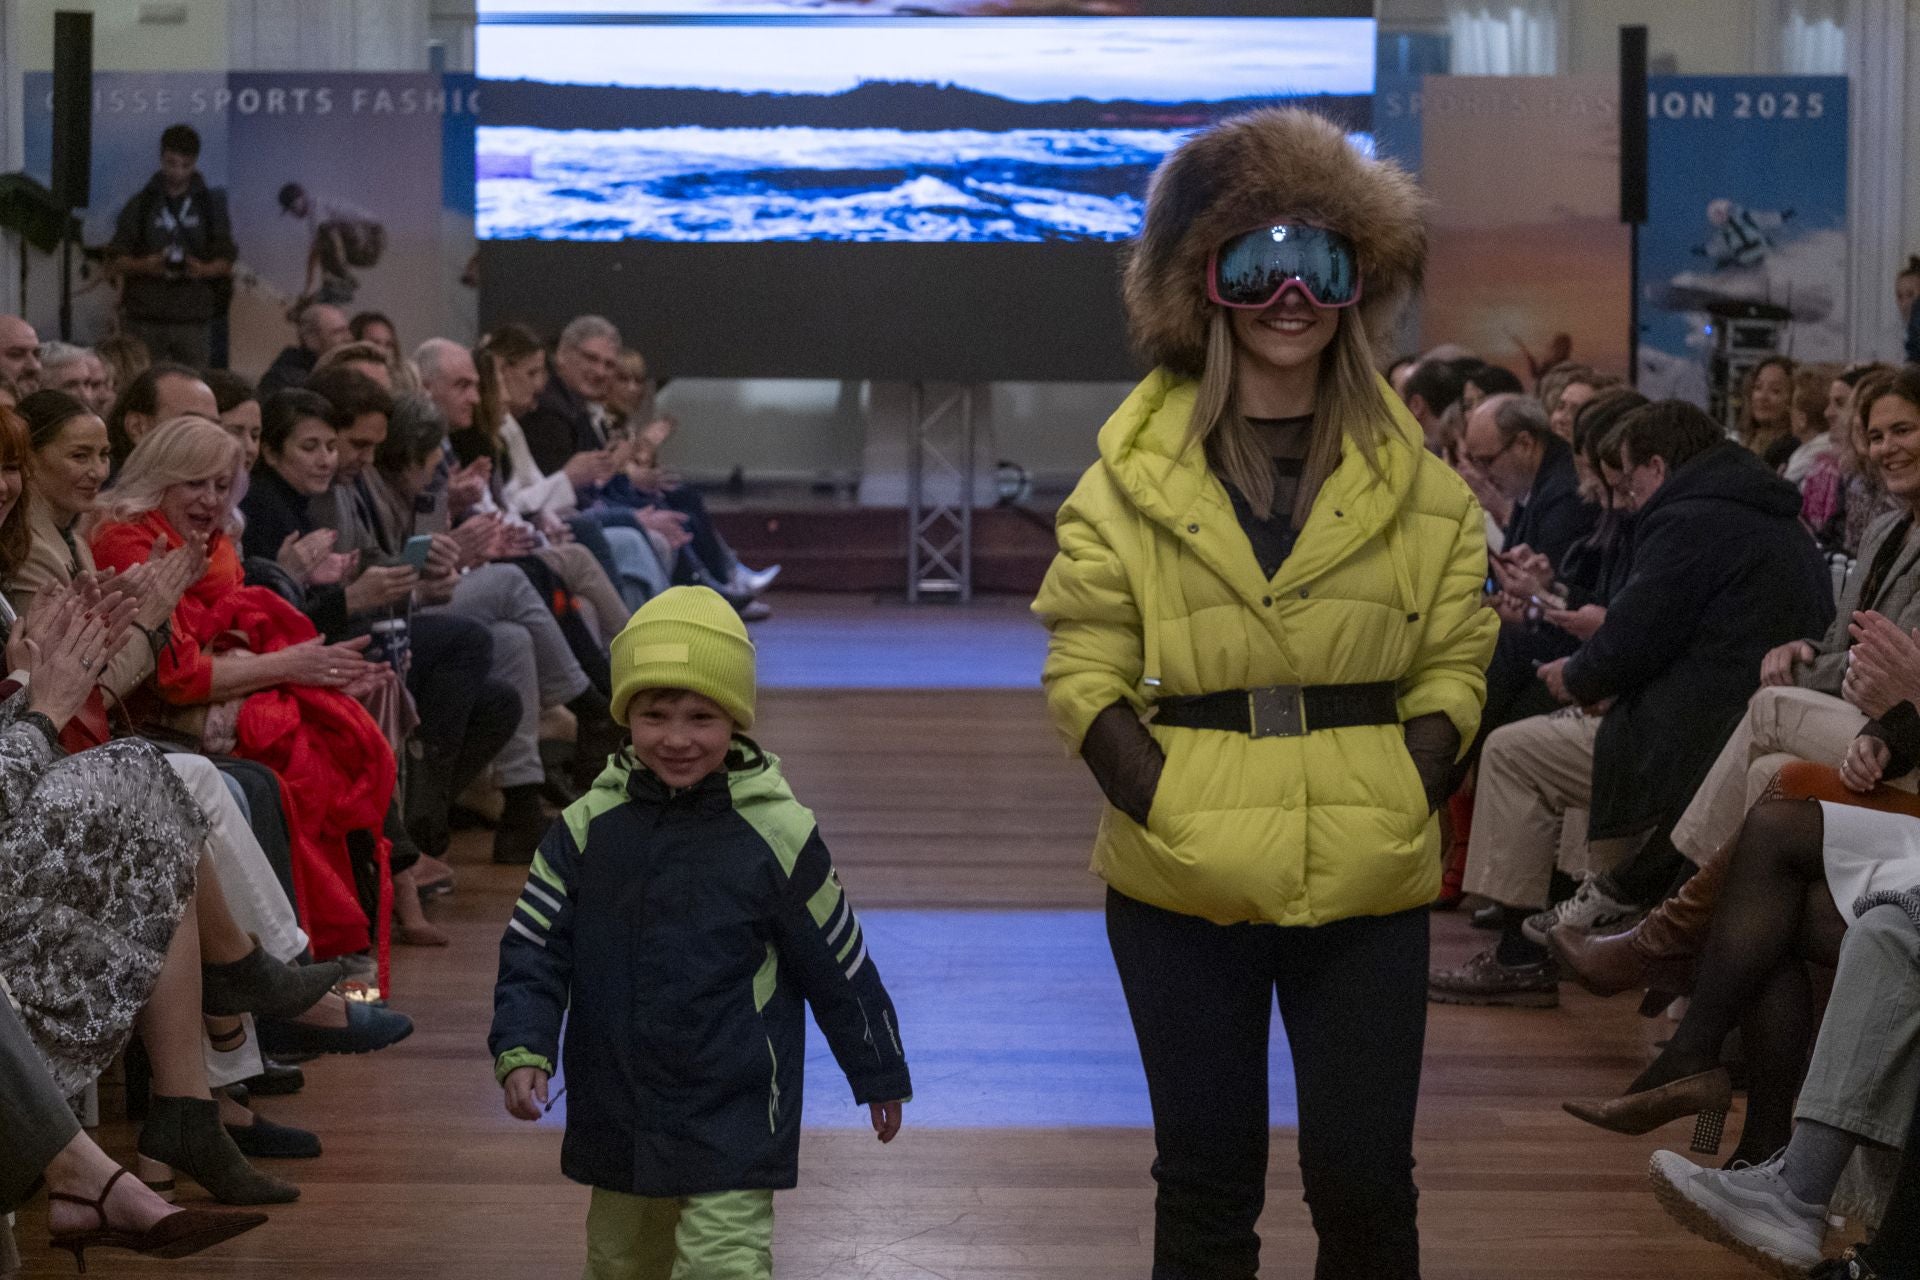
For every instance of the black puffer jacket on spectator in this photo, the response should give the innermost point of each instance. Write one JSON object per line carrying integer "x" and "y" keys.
{"x": 1554, "y": 516}
{"x": 1722, "y": 572}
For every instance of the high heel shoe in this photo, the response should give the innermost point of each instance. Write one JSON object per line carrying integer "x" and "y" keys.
{"x": 1706, "y": 1095}
{"x": 177, "y": 1235}
{"x": 185, "y": 1134}
{"x": 259, "y": 984}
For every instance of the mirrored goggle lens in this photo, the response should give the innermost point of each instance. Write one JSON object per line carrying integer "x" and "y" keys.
{"x": 1252, "y": 268}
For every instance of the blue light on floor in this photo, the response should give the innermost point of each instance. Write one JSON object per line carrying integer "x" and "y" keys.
{"x": 984, "y": 645}
{"x": 1011, "y": 1019}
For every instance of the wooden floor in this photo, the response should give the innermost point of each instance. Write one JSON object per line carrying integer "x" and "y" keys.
{"x": 933, "y": 800}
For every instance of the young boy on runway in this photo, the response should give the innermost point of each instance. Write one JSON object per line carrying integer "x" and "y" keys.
{"x": 680, "y": 915}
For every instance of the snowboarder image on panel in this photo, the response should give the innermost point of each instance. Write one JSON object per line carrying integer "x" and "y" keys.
{"x": 1740, "y": 237}
{"x": 341, "y": 237}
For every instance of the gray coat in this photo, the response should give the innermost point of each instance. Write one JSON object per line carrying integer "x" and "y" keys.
{"x": 1899, "y": 601}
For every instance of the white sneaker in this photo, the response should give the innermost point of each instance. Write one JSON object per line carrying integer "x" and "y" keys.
{"x": 1750, "y": 1210}
{"x": 1589, "y": 910}
{"x": 754, "y": 581}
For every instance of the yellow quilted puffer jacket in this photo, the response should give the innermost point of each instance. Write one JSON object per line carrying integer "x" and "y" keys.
{"x": 1156, "y": 593}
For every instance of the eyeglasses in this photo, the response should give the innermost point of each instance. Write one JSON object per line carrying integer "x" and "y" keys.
{"x": 1483, "y": 462}
{"x": 1252, "y": 270}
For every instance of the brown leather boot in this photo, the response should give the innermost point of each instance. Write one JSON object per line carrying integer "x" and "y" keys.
{"x": 1658, "y": 953}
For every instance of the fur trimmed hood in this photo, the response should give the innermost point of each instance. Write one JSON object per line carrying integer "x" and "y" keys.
{"x": 1256, "y": 168}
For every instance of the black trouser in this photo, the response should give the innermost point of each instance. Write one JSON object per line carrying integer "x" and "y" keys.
{"x": 1353, "y": 999}
{"x": 465, "y": 718}
{"x": 266, "y": 815}
{"x": 713, "y": 554}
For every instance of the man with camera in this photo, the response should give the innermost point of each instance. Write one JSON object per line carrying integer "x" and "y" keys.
{"x": 173, "y": 247}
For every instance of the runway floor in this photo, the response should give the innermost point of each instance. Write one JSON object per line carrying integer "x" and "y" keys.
{"x": 961, "y": 830}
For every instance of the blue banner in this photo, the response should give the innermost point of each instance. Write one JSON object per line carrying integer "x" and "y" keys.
{"x": 1747, "y": 212}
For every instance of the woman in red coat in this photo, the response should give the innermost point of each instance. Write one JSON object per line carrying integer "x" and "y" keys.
{"x": 271, "y": 690}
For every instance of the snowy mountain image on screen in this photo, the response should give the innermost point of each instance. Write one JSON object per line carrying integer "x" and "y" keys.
{"x": 1017, "y": 132}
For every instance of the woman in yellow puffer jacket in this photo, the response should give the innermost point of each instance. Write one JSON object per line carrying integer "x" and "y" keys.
{"x": 1267, "y": 560}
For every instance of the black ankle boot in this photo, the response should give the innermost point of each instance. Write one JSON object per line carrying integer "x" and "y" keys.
{"x": 186, "y": 1136}
{"x": 522, "y": 825}
{"x": 257, "y": 983}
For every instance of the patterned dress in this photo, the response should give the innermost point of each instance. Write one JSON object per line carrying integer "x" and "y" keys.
{"x": 97, "y": 859}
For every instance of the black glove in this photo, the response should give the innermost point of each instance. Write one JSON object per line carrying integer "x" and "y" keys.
{"x": 1125, "y": 760}
{"x": 1433, "y": 743}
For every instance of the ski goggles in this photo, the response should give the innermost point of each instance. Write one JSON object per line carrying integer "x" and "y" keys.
{"x": 1252, "y": 270}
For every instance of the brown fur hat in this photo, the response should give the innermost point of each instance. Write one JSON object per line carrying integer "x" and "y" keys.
{"x": 1257, "y": 168}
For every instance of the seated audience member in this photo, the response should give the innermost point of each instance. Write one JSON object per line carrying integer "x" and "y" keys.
{"x": 1722, "y": 572}
{"x": 234, "y": 647}
{"x": 319, "y": 329}
{"x": 1596, "y": 566}
{"x": 247, "y": 848}
{"x": 1512, "y": 454}
{"x": 1863, "y": 494}
{"x": 1861, "y": 1091}
{"x": 570, "y": 416}
{"x": 91, "y": 1203}
{"x": 532, "y": 652}
{"x": 89, "y": 901}
{"x": 465, "y": 717}
{"x": 1810, "y": 402}
{"x": 1766, "y": 421}
{"x": 239, "y": 409}
{"x": 508, "y": 370}
{"x": 1575, "y": 386}
{"x": 1815, "y": 853}
{"x": 126, "y": 358}
{"x": 1819, "y": 411}
{"x": 365, "y": 358}
{"x": 667, "y": 507}
{"x": 1814, "y": 696}
{"x": 19, "y": 354}
{"x": 631, "y": 393}
{"x": 76, "y": 371}
{"x": 1483, "y": 381}
{"x": 376, "y": 330}
{"x": 160, "y": 393}
{"x": 1431, "y": 393}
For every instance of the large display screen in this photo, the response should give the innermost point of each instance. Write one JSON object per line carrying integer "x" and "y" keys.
{"x": 917, "y": 170}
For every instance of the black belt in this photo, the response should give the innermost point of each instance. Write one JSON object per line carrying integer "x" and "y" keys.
{"x": 1283, "y": 710}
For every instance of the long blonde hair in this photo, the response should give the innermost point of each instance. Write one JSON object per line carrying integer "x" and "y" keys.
{"x": 1347, "y": 405}
{"x": 178, "y": 451}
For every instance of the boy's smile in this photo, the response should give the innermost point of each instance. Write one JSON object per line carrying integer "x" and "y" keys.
{"x": 680, "y": 735}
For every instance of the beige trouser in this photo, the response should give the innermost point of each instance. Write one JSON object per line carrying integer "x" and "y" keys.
{"x": 1535, "y": 783}
{"x": 1781, "y": 725}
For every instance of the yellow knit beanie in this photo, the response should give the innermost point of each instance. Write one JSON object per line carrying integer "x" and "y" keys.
{"x": 686, "y": 638}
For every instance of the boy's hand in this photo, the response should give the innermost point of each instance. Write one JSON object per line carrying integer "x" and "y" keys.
{"x": 886, "y": 1115}
{"x": 527, "y": 1095}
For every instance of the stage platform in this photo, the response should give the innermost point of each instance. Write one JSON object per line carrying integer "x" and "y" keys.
{"x": 830, "y": 546}
{"x": 961, "y": 829}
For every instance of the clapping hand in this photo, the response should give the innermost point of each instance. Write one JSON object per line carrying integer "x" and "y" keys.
{"x": 328, "y": 666}
{"x": 466, "y": 485}
{"x": 301, "y": 554}
{"x": 1883, "y": 666}
{"x": 64, "y": 651}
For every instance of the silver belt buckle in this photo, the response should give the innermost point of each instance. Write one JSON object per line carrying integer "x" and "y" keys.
{"x": 1277, "y": 711}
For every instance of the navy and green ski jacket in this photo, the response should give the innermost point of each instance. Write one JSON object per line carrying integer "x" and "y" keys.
{"x": 680, "y": 934}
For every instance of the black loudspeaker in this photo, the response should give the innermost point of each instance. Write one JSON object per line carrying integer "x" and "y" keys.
{"x": 72, "y": 109}
{"x": 1633, "y": 124}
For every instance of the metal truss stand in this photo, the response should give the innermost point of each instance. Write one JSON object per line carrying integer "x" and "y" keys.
{"x": 940, "y": 496}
